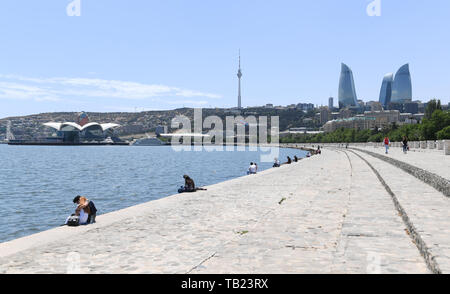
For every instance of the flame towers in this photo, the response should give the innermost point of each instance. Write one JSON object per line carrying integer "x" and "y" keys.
{"x": 386, "y": 90}
{"x": 396, "y": 90}
{"x": 347, "y": 92}
{"x": 402, "y": 88}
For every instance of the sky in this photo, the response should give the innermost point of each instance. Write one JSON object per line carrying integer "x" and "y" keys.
{"x": 164, "y": 54}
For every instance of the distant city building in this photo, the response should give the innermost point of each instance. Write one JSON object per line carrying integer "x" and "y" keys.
{"x": 325, "y": 114}
{"x": 347, "y": 92}
{"x": 411, "y": 107}
{"x": 305, "y": 106}
{"x": 402, "y": 87}
{"x": 345, "y": 113}
{"x": 269, "y": 105}
{"x": 374, "y": 106}
{"x": 70, "y": 132}
{"x": 395, "y": 106}
{"x": 331, "y": 103}
{"x": 361, "y": 105}
{"x": 386, "y": 90}
{"x": 368, "y": 120}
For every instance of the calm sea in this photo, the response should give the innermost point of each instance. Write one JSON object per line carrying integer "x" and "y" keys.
{"x": 38, "y": 183}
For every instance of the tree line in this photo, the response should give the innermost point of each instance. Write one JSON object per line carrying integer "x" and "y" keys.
{"x": 434, "y": 126}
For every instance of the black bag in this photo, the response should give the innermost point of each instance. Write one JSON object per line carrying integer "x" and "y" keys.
{"x": 73, "y": 221}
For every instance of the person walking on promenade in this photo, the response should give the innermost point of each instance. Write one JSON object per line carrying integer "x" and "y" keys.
{"x": 405, "y": 144}
{"x": 386, "y": 144}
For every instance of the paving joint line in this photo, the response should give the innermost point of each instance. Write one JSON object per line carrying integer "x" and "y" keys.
{"x": 437, "y": 182}
{"x": 430, "y": 259}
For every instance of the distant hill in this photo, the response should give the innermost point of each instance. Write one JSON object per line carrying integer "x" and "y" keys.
{"x": 31, "y": 126}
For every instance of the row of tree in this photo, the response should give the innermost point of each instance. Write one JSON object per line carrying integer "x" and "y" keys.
{"x": 434, "y": 126}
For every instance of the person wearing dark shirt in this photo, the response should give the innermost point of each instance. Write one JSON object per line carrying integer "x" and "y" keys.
{"x": 405, "y": 144}
{"x": 189, "y": 185}
{"x": 289, "y": 160}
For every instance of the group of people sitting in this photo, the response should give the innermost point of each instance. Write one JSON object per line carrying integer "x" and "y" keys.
{"x": 289, "y": 161}
{"x": 86, "y": 211}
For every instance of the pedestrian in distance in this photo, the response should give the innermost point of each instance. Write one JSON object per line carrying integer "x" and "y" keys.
{"x": 405, "y": 144}
{"x": 386, "y": 144}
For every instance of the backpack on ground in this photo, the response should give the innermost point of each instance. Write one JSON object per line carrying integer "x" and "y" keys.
{"x": 73, "y": 221}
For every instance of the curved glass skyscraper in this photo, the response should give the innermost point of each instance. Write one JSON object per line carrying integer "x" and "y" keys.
{"x": 402, "y": 88}
{"x": 347, "y": 93}
{"x": 386, "y": 90}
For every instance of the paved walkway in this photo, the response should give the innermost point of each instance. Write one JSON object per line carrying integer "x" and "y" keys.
{"x": 427, "y": 208}
{"x": 430, "y": 160}
{"x": 325, "y": 214}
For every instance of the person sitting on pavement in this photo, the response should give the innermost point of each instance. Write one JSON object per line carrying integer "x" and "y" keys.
{"x": 289, "y": 160}
{"x": 295, "y": 158}
{"x": 318, "y": 151}
{"x": 276, "y": 163}
{"x": 87, "y": 206}
{"x": 252, "y": 169}
{"x": 189, "y": 185}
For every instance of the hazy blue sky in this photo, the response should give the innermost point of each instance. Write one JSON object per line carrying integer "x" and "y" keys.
{"x": 164, "y": 54}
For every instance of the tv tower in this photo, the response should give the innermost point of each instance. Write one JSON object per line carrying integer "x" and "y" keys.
{"x": 239, "y": 74}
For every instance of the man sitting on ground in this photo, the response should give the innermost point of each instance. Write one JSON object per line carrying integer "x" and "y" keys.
{"x": 189, "y": 185}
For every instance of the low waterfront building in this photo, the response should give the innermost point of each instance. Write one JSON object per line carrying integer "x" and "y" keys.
{"x": 357, "y": 123}
{"x": 83, "y": 131}
{"x": 366, "y": 121}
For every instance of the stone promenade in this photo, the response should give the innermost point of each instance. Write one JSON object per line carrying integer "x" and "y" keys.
{"x": 327, "y": 214}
